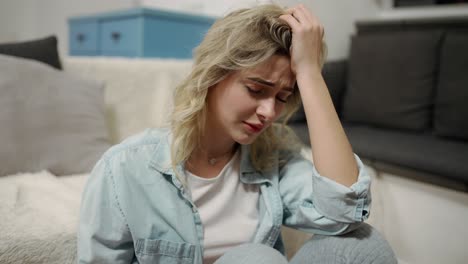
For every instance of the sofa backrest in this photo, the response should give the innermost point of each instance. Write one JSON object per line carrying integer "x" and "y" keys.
{"x": 409, "y": 75}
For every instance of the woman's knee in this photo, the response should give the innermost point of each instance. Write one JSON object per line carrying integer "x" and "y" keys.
{"x": 252, "y": 254}
{"x": 363, "y": 245}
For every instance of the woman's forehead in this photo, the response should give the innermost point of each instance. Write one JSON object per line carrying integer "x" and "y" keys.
{"x": 276, "y": 70}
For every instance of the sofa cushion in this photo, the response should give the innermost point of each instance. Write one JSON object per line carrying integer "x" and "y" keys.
{"x": 334, "y": 74}
{"x": 302, "y": 132}
{"x": 50, "y": 120}
{"x": 419, "y": 151}
{"x": 450, "y": 110}
{"x": 44, "y": 50}
{"x": 391, "y": 79}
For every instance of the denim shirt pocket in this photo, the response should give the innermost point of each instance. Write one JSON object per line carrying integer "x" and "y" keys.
{"x": 164, "y": 252}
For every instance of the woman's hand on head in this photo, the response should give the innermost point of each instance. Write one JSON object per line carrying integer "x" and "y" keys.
{"x": 307, "y": 35}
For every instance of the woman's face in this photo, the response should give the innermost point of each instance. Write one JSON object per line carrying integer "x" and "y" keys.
{"x": 246, "y": 102}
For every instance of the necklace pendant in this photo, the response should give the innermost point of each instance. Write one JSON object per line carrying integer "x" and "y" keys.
{"x": 212, "y": 161}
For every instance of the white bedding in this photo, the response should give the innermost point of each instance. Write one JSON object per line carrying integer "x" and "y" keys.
{"x": 38, "y": 217}
{"x": 39, "y": 212}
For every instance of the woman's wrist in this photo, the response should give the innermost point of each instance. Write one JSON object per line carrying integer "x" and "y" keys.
{"x": 308, "y": 74}
{"x": 308, "y": 69}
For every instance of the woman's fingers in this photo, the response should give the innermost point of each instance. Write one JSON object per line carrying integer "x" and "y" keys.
{"x": 307, "y": 36}
{"x": 302, "y": 14}
{"x": 312, "y": 19}
{"x": 306, "y": 12}
{"x": 297, "y": 14}
{"x": 292, "y": 22}
{"x": 299, "y": 17}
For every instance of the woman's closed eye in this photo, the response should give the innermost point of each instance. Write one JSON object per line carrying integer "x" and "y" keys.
{"x": 282, "y": 98}
{"x": 254, "y": 90}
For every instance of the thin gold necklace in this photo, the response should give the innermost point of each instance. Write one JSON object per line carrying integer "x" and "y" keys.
{"x": 213, "y": 160}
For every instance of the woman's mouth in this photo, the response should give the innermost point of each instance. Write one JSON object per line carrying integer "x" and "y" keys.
{"x": 253, "y": 128}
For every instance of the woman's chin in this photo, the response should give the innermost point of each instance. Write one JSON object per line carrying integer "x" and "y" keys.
{"x": 245, "y": 139}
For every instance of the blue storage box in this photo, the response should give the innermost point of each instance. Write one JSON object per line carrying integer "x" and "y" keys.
{"x": 140, "y": 32}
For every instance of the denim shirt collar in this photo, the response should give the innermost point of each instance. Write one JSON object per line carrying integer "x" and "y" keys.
{"x": 161, "y": 161}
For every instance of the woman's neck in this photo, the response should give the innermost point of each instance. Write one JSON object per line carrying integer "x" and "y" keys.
{"x": 210, "y": 157}
{"x": 215, "y": 141}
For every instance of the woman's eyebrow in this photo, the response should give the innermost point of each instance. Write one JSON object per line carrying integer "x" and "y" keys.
{"x": 267, "y": 83}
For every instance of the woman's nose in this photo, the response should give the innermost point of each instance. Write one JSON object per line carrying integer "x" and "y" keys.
{"x": 266, "y": 110}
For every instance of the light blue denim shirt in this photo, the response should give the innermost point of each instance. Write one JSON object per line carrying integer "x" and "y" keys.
{"x": 135, "y": 210}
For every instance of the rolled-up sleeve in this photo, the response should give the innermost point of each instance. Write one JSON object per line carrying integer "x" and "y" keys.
{"x": 341, "y": 203}
{"x": 103, "y": 235}
{"x": 317, "y": 204}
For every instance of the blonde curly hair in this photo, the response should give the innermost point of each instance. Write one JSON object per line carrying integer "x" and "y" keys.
{"x": 241, "y": 40}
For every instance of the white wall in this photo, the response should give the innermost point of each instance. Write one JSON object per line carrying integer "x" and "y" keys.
{"x": 16, "y": 20}
{"x": 29, "y": 19}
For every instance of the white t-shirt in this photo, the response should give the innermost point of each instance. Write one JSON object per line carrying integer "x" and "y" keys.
{"x": 228, "y": 209}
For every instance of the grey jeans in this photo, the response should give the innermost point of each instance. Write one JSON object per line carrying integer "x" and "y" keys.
{"x": 364, "y": 245}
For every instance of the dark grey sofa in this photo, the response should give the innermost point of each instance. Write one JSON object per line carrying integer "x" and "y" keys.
{"x": 402, "y": 97}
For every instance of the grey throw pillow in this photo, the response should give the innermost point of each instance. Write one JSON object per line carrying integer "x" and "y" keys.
{"x": 450, "y": 110}
{"x": 391, "y": 79}
{"x": 50, "y": 120}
